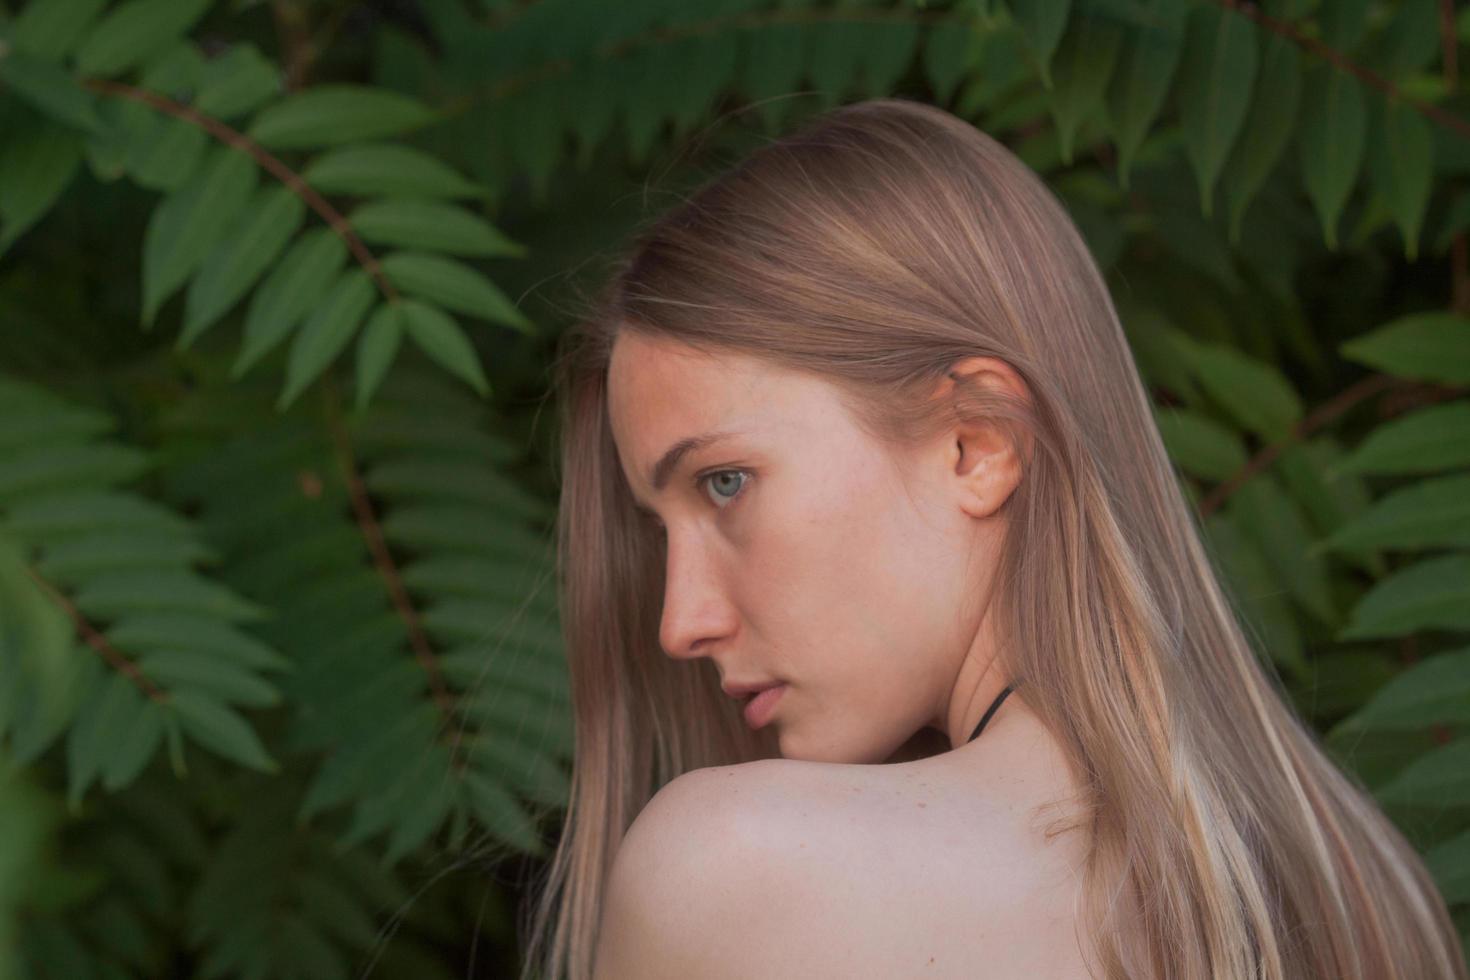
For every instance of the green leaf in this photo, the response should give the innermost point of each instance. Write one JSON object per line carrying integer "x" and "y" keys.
{"x": 1343, "y": 23}
{"x": 1043, "y": 21}
{"x": 454, "y": 285}
{"x": 1454, "y": 220}
{"x": 236, "y": 82}
{"x": 1410, "y": 40}
{"x": 328, "y": 330}
{"x": 1428, "y": 514}
{"x": 430, "y": 225}
{"x": 1400, "y": 162}
{"x": 497, "y": 811}
{"x": 220, "y": 729}
{"x": 189, "y": 221}
{"x": 1332, "y": 136}
{"x": 1273, "y": 118}
{"x": 133, "y": 745}
{"x": 1254, "y": 591}
{"x": 1215, "y": 88}
{"x": 1430, "y": 594}
{"x": 1434, "y": 691}
{"x": 268, "y": 223}
{"x": 443, "y": 340}
{"x": 159, "y": 151}
{"x": 1201, "y": 446}
{"x": 1449, "y": 863}
{"x": 89, "y": 740}
{"x": 133, "y": 31}
{"x": 215, "y": 676}
{"x": 1138, "y": 88}
{"x": 947, "y": 57}
{"x": 1426, "y": 441}
{"x": 162, "y": 153}
{"x": 53, "y": 28}
{"x": 325, "y": 115}
{"x": 376, "y": 349}
{"x": 197, "y": 635}
{"x": 1329, "y": 496}
{"x": 1276, "y": 524}
{"x": 297, "y": 283}
{"x": 1422, "y": 346}
{"x": 387, "y": 169}
{"x": 1085, "y": 58}
{"x": 1438, "y": 780}
{"x": 37, "y": 162}
{"x": 163, "y": 590}
{"x": 50, "y": 88}
{"x": 1255, "y": 394}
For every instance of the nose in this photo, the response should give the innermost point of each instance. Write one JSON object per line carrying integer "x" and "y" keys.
{"x": 697, "y": 613}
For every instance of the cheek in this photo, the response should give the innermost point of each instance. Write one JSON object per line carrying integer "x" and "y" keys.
{"x": 839, "y": 573}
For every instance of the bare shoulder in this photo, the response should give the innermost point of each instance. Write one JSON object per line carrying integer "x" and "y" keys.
{"x": 783, "y": 867}
{"x": 686, "y": 871}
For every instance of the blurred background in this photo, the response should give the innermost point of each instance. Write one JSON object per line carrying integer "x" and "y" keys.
{"x": 281, "y": 685}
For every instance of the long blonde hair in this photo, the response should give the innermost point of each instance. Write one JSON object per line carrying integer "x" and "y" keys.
{"x": 873, "y": 247}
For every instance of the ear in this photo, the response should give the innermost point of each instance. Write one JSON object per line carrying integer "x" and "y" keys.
{"x": 984, "y": 463}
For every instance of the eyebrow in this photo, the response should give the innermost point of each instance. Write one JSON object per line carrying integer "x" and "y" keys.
{"x": 671, "y": 459}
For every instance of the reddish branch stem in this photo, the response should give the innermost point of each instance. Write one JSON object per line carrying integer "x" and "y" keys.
{"x": 290, "y": 178}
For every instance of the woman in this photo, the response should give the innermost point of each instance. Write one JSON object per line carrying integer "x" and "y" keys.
{"x": 936, "y": 502}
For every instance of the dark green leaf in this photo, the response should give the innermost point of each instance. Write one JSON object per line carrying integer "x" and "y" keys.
{"x": 1429, "y": 514}
{"x": 1215, "y": 85}
{"x": 329, "y": 329}
{"x": 1423, "y": 346}
{"x": 262, "y": 231}
{"x": 431, "y": 225}
{"x": 189, "y": 221}
{"x": 1425, "y": 441}
{"x": 49, "y": 88}
{"x": 1400, "y": 164}
{"x": 1332, "y": 137}
{"x": 220, "y": 729}
{"x": 1138, "y": 88}
{"x": 442, "y": 339}
{"x": 37, "y": 162}
{"x": 51, "y": 29}
{"x": 1201, "y": 446}
{"x": 1430, "y": 594}
{"x": 134, "y": 30}
{"x": 328, "y": 114}
{"x": 376, "y": 349}
{"x": 370, "y": 169}
{"x": 453, "y": 285}
{"x": 1273, "y": 118}
{"x": 297, "y": 283}
{"x": 236, "y": 82}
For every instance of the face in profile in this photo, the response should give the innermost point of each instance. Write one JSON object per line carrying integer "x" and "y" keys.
{"x": 798, "y": 549}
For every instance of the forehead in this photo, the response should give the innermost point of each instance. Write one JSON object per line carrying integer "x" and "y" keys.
{"x": 660, "y": 391}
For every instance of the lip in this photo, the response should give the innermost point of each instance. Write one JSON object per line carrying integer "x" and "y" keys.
{"x": 758, "y": 710}
{"x": 738, "y": 691}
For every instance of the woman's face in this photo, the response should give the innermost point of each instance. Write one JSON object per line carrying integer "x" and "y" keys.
{"x": 799, "y": 551}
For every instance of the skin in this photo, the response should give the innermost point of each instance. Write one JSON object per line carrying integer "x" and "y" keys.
{"x": 856, "y": 576}
{"x": 859, "y": 578}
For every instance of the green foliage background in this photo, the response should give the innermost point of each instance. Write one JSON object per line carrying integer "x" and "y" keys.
{"x": 281, "y": 688}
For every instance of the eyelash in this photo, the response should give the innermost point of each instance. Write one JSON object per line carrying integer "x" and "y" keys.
{"x": 700, "y": 481}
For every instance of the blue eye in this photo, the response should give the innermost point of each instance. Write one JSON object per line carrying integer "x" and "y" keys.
{"x": 711, "y": 477}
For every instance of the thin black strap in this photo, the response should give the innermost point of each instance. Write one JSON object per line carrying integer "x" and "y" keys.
{"x": 988, "y": 712}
